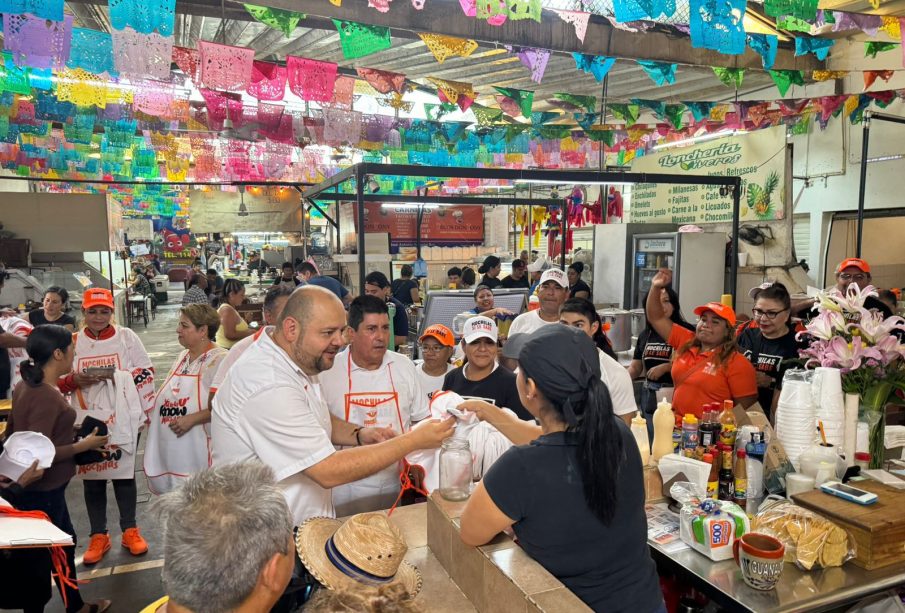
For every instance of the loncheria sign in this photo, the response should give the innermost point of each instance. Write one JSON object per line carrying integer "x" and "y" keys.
{"x": 759, "y": 158}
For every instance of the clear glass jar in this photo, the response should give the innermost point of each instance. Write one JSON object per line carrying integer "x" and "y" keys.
{"x": 455, "y": 469}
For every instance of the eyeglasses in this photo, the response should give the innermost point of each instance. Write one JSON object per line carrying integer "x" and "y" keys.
{"x": 857, "y": 278}
{"x": 766, "y": 314}
{"x": 432, "y": 348}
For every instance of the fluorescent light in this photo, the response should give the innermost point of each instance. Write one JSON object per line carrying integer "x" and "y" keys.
{"x": 886, "y": 158}
{"x": 699, "y": 139}
{"x": 551, "y": 182}
{"x": 411, "y": 205}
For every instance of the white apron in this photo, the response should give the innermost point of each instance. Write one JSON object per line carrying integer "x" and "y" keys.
{"x": 170, "y": 459}
{"x": 101, "y": 401}
{"x": 373, "y": 409}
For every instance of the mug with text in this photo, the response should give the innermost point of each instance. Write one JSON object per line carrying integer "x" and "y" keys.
{"x": 761, "y": 559}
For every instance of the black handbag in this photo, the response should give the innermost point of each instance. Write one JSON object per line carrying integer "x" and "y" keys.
{"x": 93, "y": 455}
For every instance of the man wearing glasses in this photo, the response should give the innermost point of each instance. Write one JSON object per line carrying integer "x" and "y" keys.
{"x": 849, "y": 270}
{"x": 437, "y": 346}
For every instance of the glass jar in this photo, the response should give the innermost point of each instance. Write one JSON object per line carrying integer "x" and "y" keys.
{"x": 455, "y": 469}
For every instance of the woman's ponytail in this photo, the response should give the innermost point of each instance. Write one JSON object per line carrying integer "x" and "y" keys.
{"x": 31, "y": 372}
{"x": 600, "y": 451}
{"x": 41, "y": 344}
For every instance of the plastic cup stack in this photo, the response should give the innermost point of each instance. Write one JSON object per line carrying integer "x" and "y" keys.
{"x": 830, "y": 404}
{"x": 796, "y": 419}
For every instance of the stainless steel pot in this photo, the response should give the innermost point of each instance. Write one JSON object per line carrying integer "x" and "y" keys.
{"x": 620, "y": 332}
{"x": 637, "y": 321}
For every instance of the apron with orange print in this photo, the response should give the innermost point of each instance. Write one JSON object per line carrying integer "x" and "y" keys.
{"x": 374, "y": 409}
{"x": 169, "y": 459}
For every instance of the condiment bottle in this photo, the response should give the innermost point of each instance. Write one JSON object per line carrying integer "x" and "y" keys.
{"x": 727, "y": 425}
{"x": 639, "y": 431}
{"x": 690, "y": 431}
{"x": 713, "y": 481}
{"x": 726, "y": 477}
{"x": 664, "y": 421}
{"x": 707, "y": 427}
{"x": 741, "y": 479}
{"x": 715, "y": 421}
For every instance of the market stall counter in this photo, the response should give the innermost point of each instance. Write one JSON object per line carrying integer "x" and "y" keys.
{"x": 797, "y": 590}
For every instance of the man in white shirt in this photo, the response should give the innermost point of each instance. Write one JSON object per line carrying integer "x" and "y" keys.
{"x": 552, "y": 292}
{"x": 274, "y": 301}
{"x": 369, "y": 386}
{"x": 271, "y": 409}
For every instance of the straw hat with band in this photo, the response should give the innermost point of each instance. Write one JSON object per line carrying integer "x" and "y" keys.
{"x": 365, "y": 551}
{"x": 719, "y": 309}
{"x": 97, "y": 296}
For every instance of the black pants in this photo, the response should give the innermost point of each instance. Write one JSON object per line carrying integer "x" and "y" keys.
{"x": 53, "y": 503}
{"x": 96, "y": 501}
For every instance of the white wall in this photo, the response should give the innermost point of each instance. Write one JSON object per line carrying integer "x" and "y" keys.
{"x": 830, "y": 160}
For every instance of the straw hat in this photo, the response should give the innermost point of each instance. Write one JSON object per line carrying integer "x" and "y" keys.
{"x": 364, "y": 551}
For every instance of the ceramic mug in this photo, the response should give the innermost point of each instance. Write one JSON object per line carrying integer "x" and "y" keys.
{"x": 761, "y": 559}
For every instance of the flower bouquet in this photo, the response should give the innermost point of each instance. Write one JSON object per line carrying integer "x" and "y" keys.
{"x": 862, "y": 344}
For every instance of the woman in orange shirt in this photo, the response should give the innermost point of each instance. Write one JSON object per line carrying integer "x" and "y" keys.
{"x": 707, "y": 366}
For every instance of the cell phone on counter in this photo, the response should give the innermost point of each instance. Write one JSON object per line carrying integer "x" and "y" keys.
{"x": 847, "y": 492}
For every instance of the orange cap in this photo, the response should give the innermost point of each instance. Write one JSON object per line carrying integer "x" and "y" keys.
{"x": 720, "y": 309}
{"x": 441, "y": 333}
{"x": 97, "y": 296}
{"x": 853, "y": 262}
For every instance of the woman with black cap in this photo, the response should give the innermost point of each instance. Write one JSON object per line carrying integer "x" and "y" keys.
{"x": 575, "y": 495}
{"x": 491, "y": 271}
{"x": 577, "y": 287}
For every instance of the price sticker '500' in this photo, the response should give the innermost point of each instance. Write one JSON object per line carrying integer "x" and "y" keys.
{"x": 720, "y": 531}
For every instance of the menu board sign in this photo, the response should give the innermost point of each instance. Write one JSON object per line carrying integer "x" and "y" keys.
{"x": 759, "y": 158}
{"x": 443, "y": 225}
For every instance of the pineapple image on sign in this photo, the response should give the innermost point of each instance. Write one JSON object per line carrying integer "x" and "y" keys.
{"x": 760, "y": 198}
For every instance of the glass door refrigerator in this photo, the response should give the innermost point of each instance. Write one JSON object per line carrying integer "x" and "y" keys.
{"x": 697, "y": 259}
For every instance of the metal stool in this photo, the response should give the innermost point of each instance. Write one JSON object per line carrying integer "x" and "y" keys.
{"x": 137, "y": 307}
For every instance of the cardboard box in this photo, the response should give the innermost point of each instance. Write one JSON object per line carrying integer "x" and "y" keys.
{"x": 776, "y": 462}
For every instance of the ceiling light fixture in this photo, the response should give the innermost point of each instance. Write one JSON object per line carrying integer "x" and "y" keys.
{"x": 699, "y": 139}
{"x": 886, "y": 158}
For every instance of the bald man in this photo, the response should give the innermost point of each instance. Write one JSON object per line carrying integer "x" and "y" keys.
{"x": 271, "y": 409}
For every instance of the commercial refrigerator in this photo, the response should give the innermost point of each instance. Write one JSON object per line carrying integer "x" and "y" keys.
{"x": 697, "y": 259}
{"x": 612, "y": 269}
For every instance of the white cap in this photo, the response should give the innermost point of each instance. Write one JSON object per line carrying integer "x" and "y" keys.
{"x": 21, "y": 450}
{"x": 479, "y": 327}
{"x": 555, "y": 274}
{"x": 538, "y": 265}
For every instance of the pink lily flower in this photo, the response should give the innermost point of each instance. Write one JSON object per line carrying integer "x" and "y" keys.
{"x": 827, "y": 325}
{"x": 841, "y": 354}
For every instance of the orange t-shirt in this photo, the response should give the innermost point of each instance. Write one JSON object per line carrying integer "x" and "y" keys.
{"x": 699, "y": 381}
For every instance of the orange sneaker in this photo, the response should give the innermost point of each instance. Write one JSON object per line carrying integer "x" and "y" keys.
{"x": 99, "y": 545}
{"x": 133, "y": 541}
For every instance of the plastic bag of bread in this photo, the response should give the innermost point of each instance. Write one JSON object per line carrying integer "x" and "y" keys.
{"x": 811, "y": 541}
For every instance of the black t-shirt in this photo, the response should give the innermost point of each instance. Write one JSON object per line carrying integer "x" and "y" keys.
{"x": 400, "y": 320}
{"x": 581, "y": 286}
{"x": 767, "y": 355}
{"x": 498, "y": 387}
{"x": 402, "y": 290}
{"x": 608, "y": 567}
{"x": 653, "y": 351}
{"x": 37, "y": 318}
{"x": 490, "y": 282}
{"x": 510, "y": 283}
